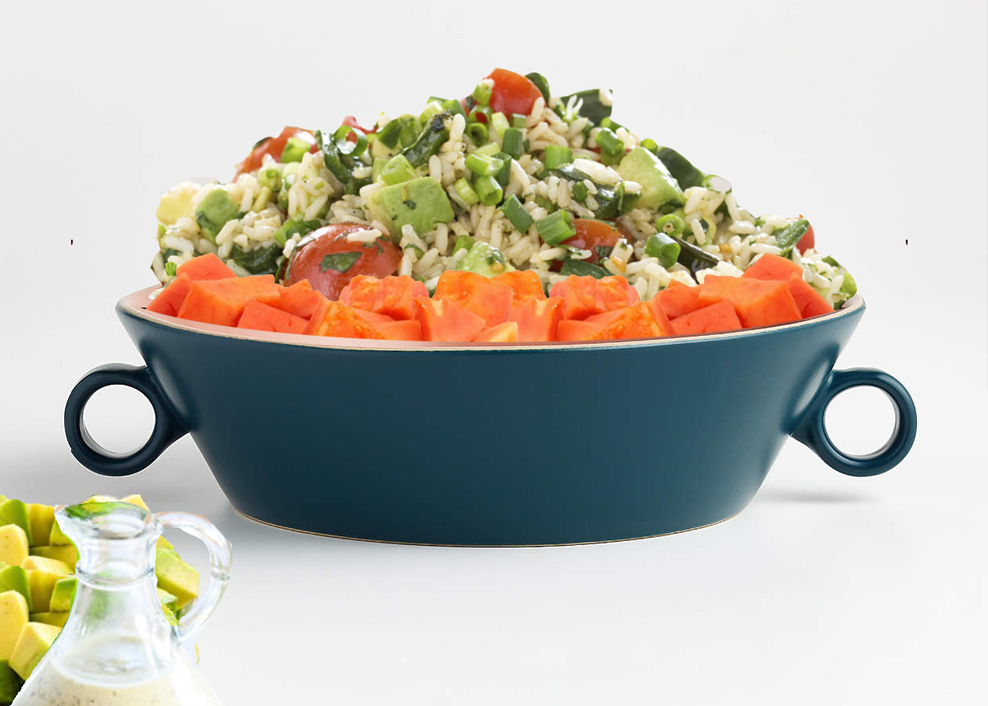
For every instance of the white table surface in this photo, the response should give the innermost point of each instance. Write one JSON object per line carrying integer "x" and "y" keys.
{"x": 826, "y": 590}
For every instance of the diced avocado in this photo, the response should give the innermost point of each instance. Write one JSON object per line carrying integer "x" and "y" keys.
{"x": 168, "y": 600}
{"x": 50, "y": 618}
{"x": 42, "y": 584}
{"x": 14, "y": 578}
{"x": 67, "y": 554}
{"x": 15, "y": 512}
{"x": 214, "y": 211}
{"x": 484, "y": 260}
{"x": 52, "y": 566}
{"x": 62, "y": 595}
{"x": 171, "y": 617}
{"x": 34, "y": 642}
{"x": 42, "y": 518}
{"x": 10, "y": 683}
{"x": 176, "y": 577}
{"x": 421, "y": 203}
{"x": 13, "y": 618}
{"x": 657, "y": 185}
{"x": 176, "y": 203}
{"x": 57, "y": 537}
{"x": 13, "y": 545}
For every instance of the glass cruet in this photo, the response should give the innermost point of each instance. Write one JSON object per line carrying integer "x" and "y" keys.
{"x": 117, "y": 648}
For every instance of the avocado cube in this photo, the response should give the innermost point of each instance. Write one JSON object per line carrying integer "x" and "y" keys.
{"x": 57, "y": 538}
{"x": 10, "y": 683}
{"x": 484, "y": 259}
{"x": 41, "y": 517}
{"x": 14, "y": 578}
{"x": 51, "y": 618}
{"x": 13, "y": 618}
{"x": 214, "y": 211}
{"x": 420, "y": 203}
{"x": 62, "y": 595}
{"x": 176, "y": 577}
{"x": 15, "y": 512}
{"x": 34, "y": 642}
{"x": 68, "y": 554}
{"x": 13, "y": 545}
{"x": 657, "y": 185}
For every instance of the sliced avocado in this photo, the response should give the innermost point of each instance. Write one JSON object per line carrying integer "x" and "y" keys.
{"x": 42, "y": 518}
{"x": 13, "y": 618}
{"x": 67, "y": 554}
{"x": 42, "y": 585}
{"x": 10, "y": 683}
{"x": 50, "y": 618}
{"x": 15, "y": 512}
{"x": 176, "y": 577}
{"x": 62, "y": 595}
{"x": 13, "y": 545}
{"x": 57, "y": 537}
{"x": 484, "y": 260}
{"x": 176, "y": 203}
{"x": 421, "y": 203}
{"x": 214, "y": 211}
{"x": 35, "y": 640}
{"x": 14, "y": 578}
{"x": 657, "y": 185}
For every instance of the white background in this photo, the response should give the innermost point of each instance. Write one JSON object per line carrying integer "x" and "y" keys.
{"x": 869, "y": 118}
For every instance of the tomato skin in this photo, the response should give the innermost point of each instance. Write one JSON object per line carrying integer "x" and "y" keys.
{"x": 351, "y": 121}
{"x": 807, "y": 242}
{"x": 378, "y": 259}
{"x": 512, "y": 93}
{"x": 273, "y": 146}
{"x": 591, "y": 234}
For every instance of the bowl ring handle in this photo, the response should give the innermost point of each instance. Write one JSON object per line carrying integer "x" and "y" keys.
{"x": 167, "y": 427}
{"x": 813, "y": 429}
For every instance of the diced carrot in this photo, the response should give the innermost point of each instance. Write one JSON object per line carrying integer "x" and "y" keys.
{"x": 709, "y": 319}
{"x": 525, "y": 284}
{"x": 773, "y": 267}
{"x": 502, "y": 333}
{"x": 342, "y": 321}
{"x": 757, "y": 302}
{"x": 169, "y": 299}
{"x": 300, "y": 299}
{"x": 391, "y": 295}
{"x": 445, "y": 320}
{"x": 537, "y": 319}
{"x": 678, "y": 299}
{"x": 205, "y": 267}
{"x": 808, "y": 300}
{"x": 635, "y": 321}
{"x": 222, "y": 301}
{"x": 586, "y": 296}
{"x": 486, "y": 298}
{"x": 263, "y": 317}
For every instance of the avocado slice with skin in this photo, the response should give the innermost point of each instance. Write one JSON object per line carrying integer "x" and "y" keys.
{"x": 658, "y": 187}
{"x": 420, "y": 203}
{"x": 484, "y": 259}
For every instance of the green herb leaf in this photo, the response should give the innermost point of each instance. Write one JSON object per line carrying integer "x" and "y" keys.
{"x": 582, "y": 269}
{"x": 339, "y": 261}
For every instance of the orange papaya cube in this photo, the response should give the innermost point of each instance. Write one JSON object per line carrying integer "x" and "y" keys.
{"x": 773, "y": 267}
{"x": 661, "y": 319}
{"x": 205, "y": 267}
{"x": 537, "y": 319}
{"x": 709, "y": 319}
{"x": 502, "y": 333}
{"x": 169, "y": 299}
{"x": 263, "y": 317}
{"x": 445, "y": 320}
{"x": 585, "y": 296}
{"x": 526, "y": 285}
{"x": 391, "y": 295}
{"x": 808, "y": 300}
{"x": 300, "y": 299}
{"x": 486, "y": 298}
{"x": 342, "y": 321}
{"x": 635, "y": 321}
{"x": 401, "y": 330}
{"x": 678, "y": 299}
{"x": 756, "y": 302}
{"x": 222, "y": 301}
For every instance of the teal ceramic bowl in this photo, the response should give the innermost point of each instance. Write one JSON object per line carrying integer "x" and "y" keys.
{"x": 490, "y": 444}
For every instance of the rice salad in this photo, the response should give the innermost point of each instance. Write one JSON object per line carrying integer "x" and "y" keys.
{"x": 509, "y": 178}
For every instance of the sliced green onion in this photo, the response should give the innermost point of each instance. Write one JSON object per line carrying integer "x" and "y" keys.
{"x": 520, "y": 218}
{"x": 671, "y": 225}
{"x": 410, "y": 131}
{"x": 398, "y": 170}
{"x": 651, "y": 145}
{"x": 482, "y": 93}
{"x": 512, "y": 142}
{"x": 171, "y": 269}
{"x": 291, "y": 227}
{"x": 466, "y": 192}
{"x": 556, "y": 227}
{"x": 477, "y": 132}
{"x": 663, "y": 247}
{"x": 464, "y": 242}
{"x": 556, "y": 156}
{"x": 490, "y": 149}
{"x": 504, "y": 175}
{"x": 482, "y": 165}
{"x": 378, "y": 167}
{"x": 488, "y": 189}
{"x": 270, "y": 177}
{"x": 283, "y": 199}
{"x": 479, "y": 114}
{"x": 582, "y": 269}
{"x": 545, "y": 203}
{"x": 580, "y": 191}
{"x": 519, "y": 121}
{"x": 351, "y": 149}
{"x": 609, "y": 160}
{"x": 500, "y": 123}
{"x": 609, "y": 142}
{"x": 541, "y": 83}
{"x": 431, "y": 108}
{"x": 454, "y": 107}
{"x": 288, "y": 175}
{"x": 391, "y": 131}
{"x": 295, "y": 149}
{"x": 610, "y": 124}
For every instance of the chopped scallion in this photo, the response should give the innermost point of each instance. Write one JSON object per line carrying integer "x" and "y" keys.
{"x": 500, "y": 123}
{"x": 545, "y": 203}
{"x": 482, "y": 165}
{"x": 294, "y": 150}
{"x": 671, "y": 225}
{"x": 351, "y": 149}
{"x": 663, "y": 247}
{"x": 580, "y": 191}
{"x": 516, "y": 214}
{"x": 609, "y": 142}
{"x": 482, "y": 93}
{"x": 651, "y": 145}
{"x": 270, "y": 177}
{"x": 490, "y": 149}
{"x": 466, "y": 192}
{"x": 512, "y": 142}
{"x": 431, "y": 108}
{"x": 479, "y": 114}
{"x": 556, "y": 227}
{"x": 519, "y": 121}
{"x": 477, "y": 132}
{"x": 398, "y": 170}
{"x": 454, "y": 107}
{"x": 377, "y": 168}
{"x": 504, "y": 175}
{"x": 556, "y": 156}
{"x": 171, "y": 269}
{"x": 488, "y": 190}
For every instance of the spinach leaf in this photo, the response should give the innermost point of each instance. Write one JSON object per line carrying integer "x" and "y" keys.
{"x": 339, "y": 261}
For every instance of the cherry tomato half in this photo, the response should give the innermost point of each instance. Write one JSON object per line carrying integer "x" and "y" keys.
{"x": 273, "y": 146}
{"x": 808, "y": 241}
{"x": 592, "y": 234}
{"x": 512, "y": 93}
{"x": 329, "y": 261}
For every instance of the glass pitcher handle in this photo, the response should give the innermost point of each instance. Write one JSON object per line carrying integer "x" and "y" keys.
{"x": 220, "y": 559}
